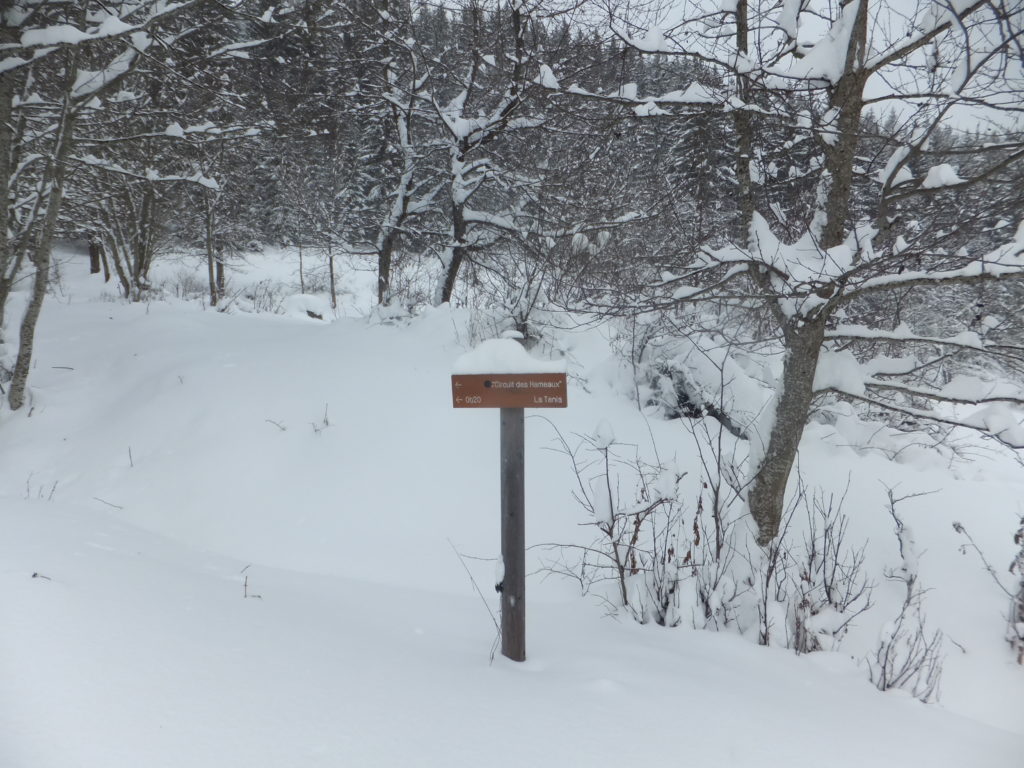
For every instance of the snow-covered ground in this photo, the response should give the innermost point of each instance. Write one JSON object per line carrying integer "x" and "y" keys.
{"x": 229, "y": 539}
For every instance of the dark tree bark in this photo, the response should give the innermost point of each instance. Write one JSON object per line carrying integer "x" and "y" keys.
{"x": 211, "y": 256}
{"x": 458, "y": 251}
{"x": 767, "y": 495}
{"x": 330, "y": 273}
{"x": 803, "y": 336}
{"x": 95, "y": 255}
{"x": 220, "y": 272}
{"x": 840, "y": 156}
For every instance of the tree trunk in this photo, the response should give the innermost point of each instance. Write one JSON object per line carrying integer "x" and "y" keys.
{"x": 840, "y": 156}
{"x": 457, "y": 256}
{"x": 388, "y": 237}
{"x": 220, "y": 272}
{"x": 330, "y": 269}
{"x": 26, "y": 338}
{"x": 767, "y": 497}
{"x": 8, "y": 267}
{"x": 41, "y": 253}
{"x": 105, "y": 264}
{"x": 384, "y": 256}
{"x": 116, "y": 247}
{"x": 145, "y": 242}
{"x": 457, "y": 249}
{"x": 94, "y": 254}
{"x": 210, "y": 254}
{"x": 744, "y": 137}
{"x": 804, "y": 336}
{"x": 7, "y": 282}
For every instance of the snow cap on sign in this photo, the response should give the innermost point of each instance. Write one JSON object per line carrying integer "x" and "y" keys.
{"x": 504, "y": 356}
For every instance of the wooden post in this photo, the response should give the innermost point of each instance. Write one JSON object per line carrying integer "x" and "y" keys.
{"x": 512, "y": 393}
{"x": 513, "y": 535}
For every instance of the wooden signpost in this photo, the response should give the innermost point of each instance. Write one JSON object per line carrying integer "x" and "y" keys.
{"x": 511, "y": 392}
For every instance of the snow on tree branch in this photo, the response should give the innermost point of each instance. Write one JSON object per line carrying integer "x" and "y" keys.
{"x": 36, "y": 42}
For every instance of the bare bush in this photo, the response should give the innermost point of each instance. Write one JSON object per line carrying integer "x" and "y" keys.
{"x": 831, "y": 589}
{"x": 809, "y": 594}
{"x": 642, "y": 547}
{"x": 265, "y": 296}
{"x": 710, "y": 561}
{"x": 186, "y": 284}
{"x": 668, "y": 564}
{"x": 908, "y": 655}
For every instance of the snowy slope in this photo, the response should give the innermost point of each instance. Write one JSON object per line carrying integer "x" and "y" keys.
{"x": 140, "y": 651}
{"x": 172, "y": 451}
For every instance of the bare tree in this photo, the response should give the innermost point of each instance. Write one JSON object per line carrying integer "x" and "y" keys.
{"x": 63, "y": 60}
{"x": 55, "y": 45}
{"x": 470, "y": 121}
{"x": 853, "y": 246}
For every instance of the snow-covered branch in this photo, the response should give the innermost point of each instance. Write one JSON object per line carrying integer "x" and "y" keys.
{"x": 996, "y": 422}
{"x": 37, "y": 42}
{"x": 1003, "y": 264}
{"x": 146, "y": 175}
{"x": 968, "y": 340}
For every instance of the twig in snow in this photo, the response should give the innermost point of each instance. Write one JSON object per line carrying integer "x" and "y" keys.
{"x": 109, "y": 504}
{"x": 959, "y": 528}
{"x": 326, "y": 422}
{"x": 1015, "y": 616}
{"x": 245, "y": 585}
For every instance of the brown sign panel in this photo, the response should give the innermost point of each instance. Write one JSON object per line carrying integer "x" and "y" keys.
{"x": 509, "y": 390}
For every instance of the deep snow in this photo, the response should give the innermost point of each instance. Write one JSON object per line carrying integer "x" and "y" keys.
{"x": 172, "y": 452}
